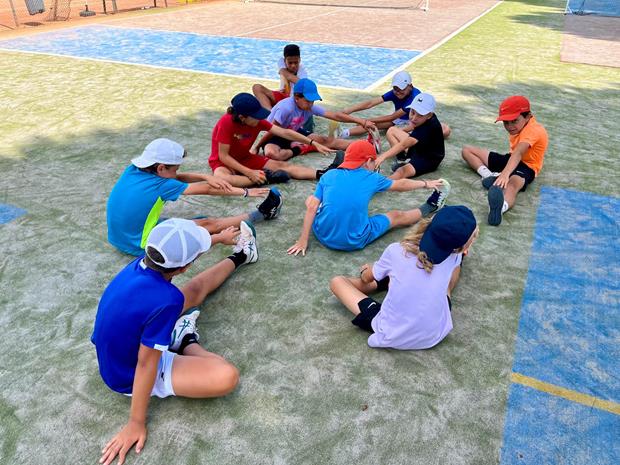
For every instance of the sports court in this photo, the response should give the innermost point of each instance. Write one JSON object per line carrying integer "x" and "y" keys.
{"x": 527, "y": 376}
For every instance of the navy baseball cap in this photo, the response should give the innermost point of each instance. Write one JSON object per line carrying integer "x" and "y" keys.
{"x": 247, "y": 105}
{"x": 450, "y": 229}
{"x": 308, "y": 89}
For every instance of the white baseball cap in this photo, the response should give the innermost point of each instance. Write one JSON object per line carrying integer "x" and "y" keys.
{"x": 401, "y": 80}
{"x": 423, "y": 104}
{"x": 178, "y": 241}
{"x": 162, "y": 150}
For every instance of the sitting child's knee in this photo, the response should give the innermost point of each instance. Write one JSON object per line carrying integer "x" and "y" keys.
{"x": 335, "y": 282}
{"x": 229, "y": 378}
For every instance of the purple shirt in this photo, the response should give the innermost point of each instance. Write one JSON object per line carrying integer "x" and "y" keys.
{"x": 290, "y": 116}
{"x": 415, "y": 312}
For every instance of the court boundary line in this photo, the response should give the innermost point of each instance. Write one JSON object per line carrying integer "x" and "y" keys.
{"x": 565, "y": 393}
{"x": 375, "y": 84}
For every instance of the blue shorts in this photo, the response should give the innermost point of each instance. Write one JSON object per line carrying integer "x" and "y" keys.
{"x": 378, "y": 226}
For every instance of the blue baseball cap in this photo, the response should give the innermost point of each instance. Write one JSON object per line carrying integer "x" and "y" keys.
{"x": 450, "y": 229}
{"x": 308, "y": 89}
{"x": 247, "y": 105}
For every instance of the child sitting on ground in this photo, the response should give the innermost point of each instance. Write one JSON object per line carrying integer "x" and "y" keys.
{"x": 293, "y": 112}
{"x": 233, "y": 137}
{"x": 338, "y": 210}
{"x": 507, "y": 175}
{"x": 419, "y": 274}
{"x": 144, "y": 346}
{"x": 138, "y": 197}
{"x": 401, "y": 95}
{"x": 421, "y": 150}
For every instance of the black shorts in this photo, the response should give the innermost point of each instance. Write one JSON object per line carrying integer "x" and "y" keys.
{"x": 497, "y": 162}
{"x": 285, "y": 143}
{"x": 424, "y": 165}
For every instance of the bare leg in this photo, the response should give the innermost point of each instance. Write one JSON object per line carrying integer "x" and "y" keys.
{"x": 475, "y": 156}
{"x": 264, "y": 96}
{"x": 446, "y": 130}
{"x": 515, "y": 184}
{"x": 405, "y": 171}
{"x": 456, "y": 274}
{"x": 236, "y": 180}
{"x": 395, "y": 135}
{"x": 215, "y": 225}
{"x": 274, "y": 152}
{"x": 350, "y": 291}
{"x": 294, "y": 171}
{"x": 360, "y": 131}
{"x": 201, "y": 374}
{"x": 205, "y": 282}
{"x": 399, "y": 218}
{"x": 332, "y": 142}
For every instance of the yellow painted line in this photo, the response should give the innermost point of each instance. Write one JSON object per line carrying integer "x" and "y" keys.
{"x": 568, "y": 394}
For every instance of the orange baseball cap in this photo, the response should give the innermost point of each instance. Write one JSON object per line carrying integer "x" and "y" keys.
{"x": 357, "y": 154}
{"x": 512, "y": 107}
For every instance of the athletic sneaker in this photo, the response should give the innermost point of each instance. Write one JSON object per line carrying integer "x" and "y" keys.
{"x": 338, "y": 159}
{"x": 271, "y": 206}
{"x": 185, "y": 325}
{"x": 496, "y": 203}
{"x": 439, "y": 196}
{"x": 398, "y": 164}
{"x": 375, "y": 139}
{"x": 276, "y": 177}
{"x": 246, "y": 242}
{"x": 488, "y": 181}
{"x": 334, "y": 129}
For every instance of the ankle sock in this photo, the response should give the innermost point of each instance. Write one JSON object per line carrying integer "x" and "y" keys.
{"x": 505, "y": 207}
{"x": 238, "y": 258}
{"x": 256, "y": 216}
{"x": 344, "y": 134}
{"x": 484, "y": 172}
{"x": 187, "y": 340}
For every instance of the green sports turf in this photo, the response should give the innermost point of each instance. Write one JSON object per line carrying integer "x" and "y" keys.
{"x": 311, "y": 391}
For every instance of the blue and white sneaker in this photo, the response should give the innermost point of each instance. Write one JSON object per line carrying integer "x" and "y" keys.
{"x": 439, "y": 196}
{"x": 246, "y": 242}
{"x": 185, "y": 325}
{"x": 496, "y": 203}
{"x": 271, "y": 206}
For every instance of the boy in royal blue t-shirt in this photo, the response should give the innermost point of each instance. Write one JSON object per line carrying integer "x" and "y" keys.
{"x": 146, "y": 344}
{"x": 337, "y": 213}
{"x": 400, "y": 95}
{"x": 138, "y": 197}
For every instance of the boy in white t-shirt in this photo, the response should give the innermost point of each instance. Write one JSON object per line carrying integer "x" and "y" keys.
{"x": 419, "y": 274}
{"x": 290, "y": 71}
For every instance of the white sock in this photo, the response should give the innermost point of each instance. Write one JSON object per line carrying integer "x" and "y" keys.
{"x": 505, "y": 207}
{"x": 344, "y": 134}
{"x": 484, "y": 172}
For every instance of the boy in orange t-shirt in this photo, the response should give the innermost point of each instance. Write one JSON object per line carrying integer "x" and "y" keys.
{"x": 507, "y": 175}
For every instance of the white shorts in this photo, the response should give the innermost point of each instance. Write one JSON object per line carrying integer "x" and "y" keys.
{"x": 163, "y": 382}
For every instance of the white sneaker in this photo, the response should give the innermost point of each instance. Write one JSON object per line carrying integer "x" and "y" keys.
{"x": 334, "y": 129}
{"x": 185, "y": 325}
{"x": 246, "y": 242}
{"x": 438, "y": 198}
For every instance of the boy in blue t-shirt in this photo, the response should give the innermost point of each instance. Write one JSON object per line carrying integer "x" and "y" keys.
{"x": 401, "y": 95}
{"x": 338, "y": 210}
{"x": 145, "y": 330}
{"x": 138, "y": 197}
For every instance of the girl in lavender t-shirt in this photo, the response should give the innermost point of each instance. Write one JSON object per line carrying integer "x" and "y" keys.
{"x": 419, "y": 274}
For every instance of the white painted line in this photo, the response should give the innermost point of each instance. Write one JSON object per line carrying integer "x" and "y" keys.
{"x": 429, "y": 50}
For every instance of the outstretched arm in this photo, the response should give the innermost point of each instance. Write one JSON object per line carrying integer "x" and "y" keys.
{"x": 134, "y": 432}
{"x": 343, "y": 117}
{"x": 401, "y": 146}
{"x": 296, "y": 136}
{"x": 373, "y": 102}
{"x": 312, "y": 205}
{"x": 405, "y": 185}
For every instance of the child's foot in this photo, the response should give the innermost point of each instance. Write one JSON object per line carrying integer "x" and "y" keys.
{"x": 246, "y": 242}
{"x": 488, "y": 181}
{"x": 375, "y": 139}
{"x": 338, "y": 159}
{"x": 438, "y": 198}
{"x": 334, "y": 129}
{"x": 185, "y": 325}
{"x": 271, "y": 206}
{"x": 397, "y": 165}
{"x": 276, "y": 177}
{"x": 496, "y": 202}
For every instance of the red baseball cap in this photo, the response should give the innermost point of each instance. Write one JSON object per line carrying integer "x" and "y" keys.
{"x": 357, "y": 154}
{"x": 512, "y": 107}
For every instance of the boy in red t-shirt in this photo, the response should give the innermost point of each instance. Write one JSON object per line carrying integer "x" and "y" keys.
{"x": 507, "y": 175}
{"x": 233, "y": 137}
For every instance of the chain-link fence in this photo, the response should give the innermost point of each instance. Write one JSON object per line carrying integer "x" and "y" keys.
{"x": 23, "y": 13}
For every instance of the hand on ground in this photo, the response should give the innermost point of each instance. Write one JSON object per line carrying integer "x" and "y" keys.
{"x": 132, "y": 433}
{"x": 299, "y": 247}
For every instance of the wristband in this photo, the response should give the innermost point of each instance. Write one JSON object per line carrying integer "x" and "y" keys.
{"x": 311, "y": 142}
{"x": 425, "y": 185}
{"x": 245, "y": 192}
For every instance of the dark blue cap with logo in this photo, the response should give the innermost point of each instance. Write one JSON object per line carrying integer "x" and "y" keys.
{"x": 308, "y": 89}
{"x": 247, "y": 105}
{"x": 450, "y": 229}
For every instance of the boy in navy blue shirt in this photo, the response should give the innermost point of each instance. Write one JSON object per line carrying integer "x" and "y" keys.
{"x": 146, "y": 344}
{"x": 338, "y": 211}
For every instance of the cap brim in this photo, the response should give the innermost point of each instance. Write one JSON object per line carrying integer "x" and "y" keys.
{"x": 142, "y": 162}
{"x": 401, "y": 86}
{"x": 419, "y": 110}
{"x": 508, "y": 117}
{"x": 261, "y": 114}
{"x": 312, "y": 96}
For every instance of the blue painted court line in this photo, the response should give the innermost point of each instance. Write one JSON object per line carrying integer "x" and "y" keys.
{"x": 568, "y": 335}
{"x": 332, "y": 65}
{"x": 543, "y": 429}
{"x": 9, "y": 213}
{"x": 570, "y": 316}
